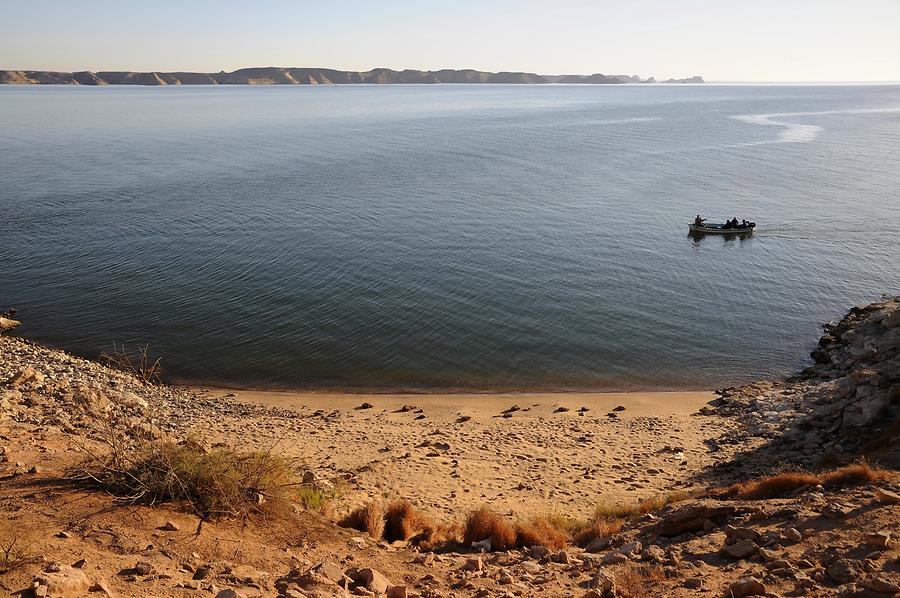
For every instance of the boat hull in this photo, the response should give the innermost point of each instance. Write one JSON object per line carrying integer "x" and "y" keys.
{"x": 719, "y": 229}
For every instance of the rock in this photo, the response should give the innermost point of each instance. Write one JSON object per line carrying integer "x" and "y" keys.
{"x": 881, "y": 584}
{"x": 424, "y": 559}
{"x": 653, "y": 554}
{"x": 603, "y": 583}
{"x": 619, "y": 408}
{"x": 169, "y": 526}
{"x": 793, "y": 535}
{"x": 843, "y": 571}
{"x": 100, "y": 586}
{"x": 8, "y": 324}
{"x": 692, "y": 518}
{"x": 747, "y": 586}
{"x": 142, "y": 568}
{"x": 130, "y": 400}
{"x": 475, "y": 564}
{"x": 693, "y": 583}
{"x": 614, "y": 558}
{"x": 397, "y": 592}
{"x": 597, "y": 544}
{"x": 229, "y": 593}
{"x": 27, "y": 376}
{"x": 631, "y": 549}
{"x": 373, "y": 580}
{"x": 329, "y": 570}
{"x": 366, "y": 406}
{"x": 887, "y": 497}
{"x": 482, "y": 545}
{"x": 66, "y": 582}
{"x": 538, "y": 551}
{"x": 881, "y": 540}
{"x": 741, "y": 549}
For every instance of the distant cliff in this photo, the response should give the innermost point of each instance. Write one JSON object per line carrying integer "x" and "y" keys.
{"x": 303, "y": 76}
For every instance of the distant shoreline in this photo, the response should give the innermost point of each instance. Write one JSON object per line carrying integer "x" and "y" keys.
{"x": 314, "y": 76}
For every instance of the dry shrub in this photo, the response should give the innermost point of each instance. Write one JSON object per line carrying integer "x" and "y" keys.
{"x": 785, "y": 484}
{"x": 608, "y": 518}
{"x": 659, "y": 502}
{"x": 638, "y": 581}
{"x": 541, "y": 531}
{"x": 856, "y": 474}
{"x": 588, "y": 531}
{"x": 484, "y": 523}
{"x": 368, "y": 518}
{"x": 215, "y": 483}
{"x": 16, "y": 546}
{"x": 139, "y": 363}
{"x": 403, "y": 522}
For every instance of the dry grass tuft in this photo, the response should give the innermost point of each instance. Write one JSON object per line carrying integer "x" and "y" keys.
{"x": 404, "y": 522}
{"x": 215, "y": 483}
{"x": 600, "y": 528}
{"x": 368, "y": 518}
{"x": 785, "y": 484}
{"x": 608, "y": 518}
{"x": 484, "y": 523}
{"x": 542, "y": 531}
{"x": 638, "y": 581}
{"x": 16, "y": 546}
{"x": 139, "y": 363}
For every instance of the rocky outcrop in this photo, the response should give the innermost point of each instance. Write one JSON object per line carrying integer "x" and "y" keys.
{"x": 694, "y": 79}
{"x": 846, "y": 401}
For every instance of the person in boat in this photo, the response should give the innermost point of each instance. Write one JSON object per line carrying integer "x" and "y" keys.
{"x": 698, "y": 221}
{"x": 744, "y": 223}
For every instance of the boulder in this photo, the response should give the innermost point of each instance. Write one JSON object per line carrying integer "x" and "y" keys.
{"x": 843, "y": 571}
{"x": 692, "y": 518}
{"x": 373, "y": 581}
{"x": 65, "y": 582}
{"x": 7, "y": 324}
{"x": 747, "y": 586}
{"x": 741, "y": 549}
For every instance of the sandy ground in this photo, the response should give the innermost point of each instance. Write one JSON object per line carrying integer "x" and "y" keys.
{"x": 447, "y": 453}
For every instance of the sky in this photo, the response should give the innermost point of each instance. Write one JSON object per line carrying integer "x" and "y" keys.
{"x": 722, "y": 40}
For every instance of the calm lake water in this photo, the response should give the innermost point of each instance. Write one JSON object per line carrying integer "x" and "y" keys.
{"x": 448, "y": 236}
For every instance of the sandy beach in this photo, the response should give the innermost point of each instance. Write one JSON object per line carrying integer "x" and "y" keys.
{"x": 523, "y": 453}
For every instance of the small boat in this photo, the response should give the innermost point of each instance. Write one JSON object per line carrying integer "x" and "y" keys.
{"x": 722, "y": 229}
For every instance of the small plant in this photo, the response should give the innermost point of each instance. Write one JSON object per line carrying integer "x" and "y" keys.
{"x": 16, "y": 547}
{"x": 317, "y": 500}
{"x": 484, "y": 523}
{"x": 215, "y": 483}
{"x": 638, "y": 581}
{"x": 138, "y": 363}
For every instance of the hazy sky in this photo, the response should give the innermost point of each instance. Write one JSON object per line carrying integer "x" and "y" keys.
{"x": 747, "y": 40}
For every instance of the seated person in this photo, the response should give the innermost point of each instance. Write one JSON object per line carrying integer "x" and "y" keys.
{"x": 698, "y": 221}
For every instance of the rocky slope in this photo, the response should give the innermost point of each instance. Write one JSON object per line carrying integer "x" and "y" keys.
{"x": 297, "y": 76}
{"x": 844, "y": 406}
